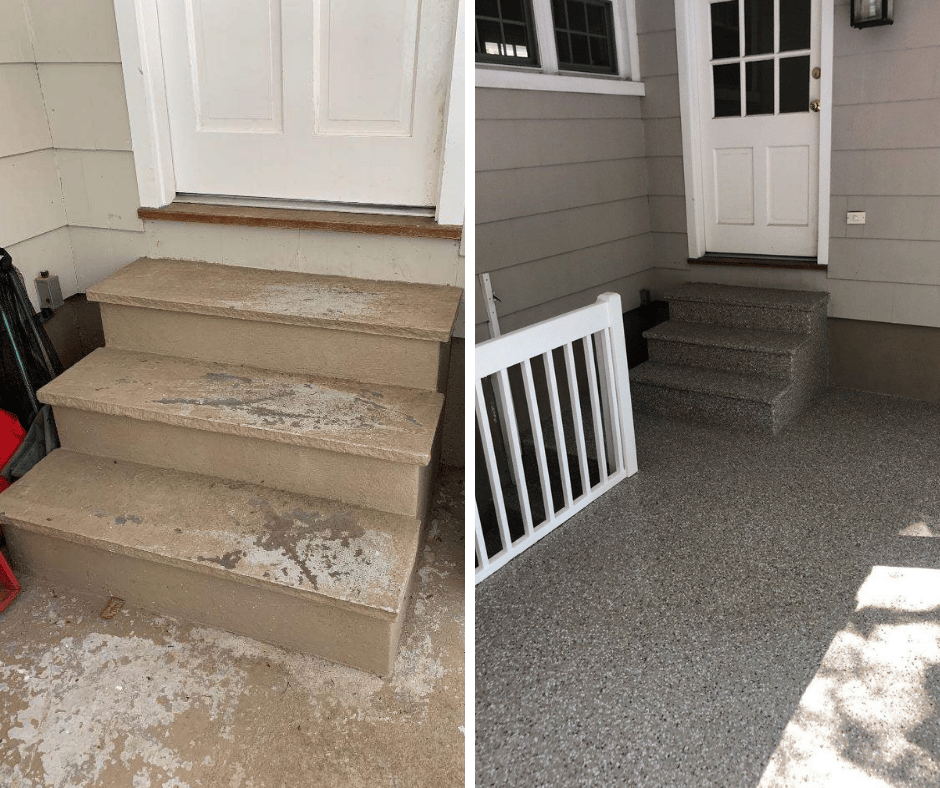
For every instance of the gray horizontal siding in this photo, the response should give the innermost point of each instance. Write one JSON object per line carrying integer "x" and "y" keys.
{"x": 886, "y": 162}
{"x": 561, "y": 200}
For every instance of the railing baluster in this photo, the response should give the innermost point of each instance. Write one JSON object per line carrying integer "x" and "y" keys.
{"x": 492, "y": 471}
{"x": 483, "y": 560}
{"x": 540, "y": 456}
{"x": 515, "y": 451}
{"x": 576, "y": 417}
{"x": 558, "y": 425}
{"x": 595, "y": 410}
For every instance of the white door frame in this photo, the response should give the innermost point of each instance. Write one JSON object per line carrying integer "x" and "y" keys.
{"x": 688, "y": 18}
{"x": 144, "y": 83}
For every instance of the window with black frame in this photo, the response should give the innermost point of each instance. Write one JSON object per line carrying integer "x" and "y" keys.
{"x": 584, "y": 35}
{"x": 505, "y": 33}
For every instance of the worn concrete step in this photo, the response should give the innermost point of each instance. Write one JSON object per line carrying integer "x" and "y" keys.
{"x": 369, "y": 445}
{"x": 394, "y": 333}
{"x": 761, "y": 309}
{"x": 304, "y": 573}
{"x": 746, "y": 351}
{"x": 747, "y": 402}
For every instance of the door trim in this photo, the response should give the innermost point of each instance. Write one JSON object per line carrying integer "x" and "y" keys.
{"x": 138, "y": 26}
{"x": 690, "y": 109}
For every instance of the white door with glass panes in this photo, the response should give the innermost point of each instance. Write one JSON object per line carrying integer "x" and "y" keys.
{"x": 760, "y": 126}
{"x": 324, "y": 100}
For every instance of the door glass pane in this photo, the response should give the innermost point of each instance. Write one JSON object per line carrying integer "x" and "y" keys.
{"x": 725, "y": 30}
{"x": 794, "y": 84}
{"x": 794, "y": 25}
{"x": 727, "y": 80}
{"x": 759, "y": 80}
{"x": 758, "y": 27}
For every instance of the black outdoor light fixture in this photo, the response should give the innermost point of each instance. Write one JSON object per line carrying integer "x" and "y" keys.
{"x": 870, "y": 13}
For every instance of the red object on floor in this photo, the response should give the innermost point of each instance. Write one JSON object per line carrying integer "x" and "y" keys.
{"x": 11, "y": 436}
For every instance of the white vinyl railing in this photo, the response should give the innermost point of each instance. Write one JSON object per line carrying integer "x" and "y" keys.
{"x": 601, "y": 365}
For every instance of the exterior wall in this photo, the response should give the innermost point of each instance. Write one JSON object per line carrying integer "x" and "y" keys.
{"x": 32, "y": 211}
{"x": 562, "y": 208}
{"x": 886, "y": 161}
{"x": 656, "y": 30}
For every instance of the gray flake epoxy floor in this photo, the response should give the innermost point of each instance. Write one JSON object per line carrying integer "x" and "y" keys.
{"x": 666, "y": 635}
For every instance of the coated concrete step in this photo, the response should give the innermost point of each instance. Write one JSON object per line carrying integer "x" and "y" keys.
{"x": 394, "y": 333}
{"x": 769, "y": 353}
{"x": 307, "y": 574}
{"x": 761, "y": 309}
{"x": 367, "y": 445}
{"x": 742, "y": 401}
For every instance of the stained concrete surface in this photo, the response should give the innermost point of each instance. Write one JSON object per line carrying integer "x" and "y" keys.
{"x": 370, "y": 420}
{"x": 394, "y": 308}
{"x": 747, "y": 610}
{"x": 143, "y": 700}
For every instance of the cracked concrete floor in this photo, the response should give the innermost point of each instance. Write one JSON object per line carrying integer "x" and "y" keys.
{"x": 145, "y": 701}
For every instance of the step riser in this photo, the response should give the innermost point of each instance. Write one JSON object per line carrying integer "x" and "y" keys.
{"x": 369, "y": 358}
{"x": 733, "y": 316}
{"x": 774, "y": 365}
{"x": 713, "y": 409}
{"x": 702, "y": 408}
{"x": 338, "y": 634}
{"x": 364, "y": 481}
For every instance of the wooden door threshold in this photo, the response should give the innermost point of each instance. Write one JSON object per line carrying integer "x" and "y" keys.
{"x": 301, "y": 219}
{"x": 758, "y": 261}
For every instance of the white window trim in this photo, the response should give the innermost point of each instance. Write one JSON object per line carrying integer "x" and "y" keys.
{"x": 549, "y": 77}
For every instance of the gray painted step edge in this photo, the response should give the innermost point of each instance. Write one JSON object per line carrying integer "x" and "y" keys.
{"x": 773, "y": 342}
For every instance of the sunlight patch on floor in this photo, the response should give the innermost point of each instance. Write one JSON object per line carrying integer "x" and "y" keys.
{"x": 871, "y": 715}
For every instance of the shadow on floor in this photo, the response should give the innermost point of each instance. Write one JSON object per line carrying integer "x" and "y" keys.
{"x": 665, "y": 635}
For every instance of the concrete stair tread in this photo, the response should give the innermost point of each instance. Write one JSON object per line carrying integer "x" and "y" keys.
{"x": 761, "y": 297}
{"x": 299, "y": 545}
{"x": 392, "y": 308}
{"x": 774, "y": 342}
{"x": 751, "y": 388}
{"x": 368, "y": 420}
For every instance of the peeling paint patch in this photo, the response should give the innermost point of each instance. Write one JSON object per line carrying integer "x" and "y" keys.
{"x": 97, "y": 701}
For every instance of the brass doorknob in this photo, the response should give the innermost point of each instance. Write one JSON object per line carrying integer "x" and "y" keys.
{"x": 814, "y": 105}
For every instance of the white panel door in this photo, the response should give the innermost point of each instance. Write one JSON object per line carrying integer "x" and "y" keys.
{"x": 327, "y": 100}
{"x": 760, "y": 136}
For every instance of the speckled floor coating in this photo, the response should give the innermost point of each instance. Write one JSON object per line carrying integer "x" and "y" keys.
{"x": 144, "y": 701}
{"x": 666, "y": 635}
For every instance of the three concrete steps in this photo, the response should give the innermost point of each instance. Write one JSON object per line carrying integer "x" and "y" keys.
{"x": 245, "y": 453}
{"x": 741, "y": 357}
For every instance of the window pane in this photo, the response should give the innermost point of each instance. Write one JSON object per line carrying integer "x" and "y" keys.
{"x": 597, "y": 20}
{"x": 599, "y": 53}
{"x": 504, "y": 32}
{"x": 759, "y": 93}
{"x": 794, "y": 84}
{"x": 577, "y": 16}
{"x": 487, "y": 8}
{"x": 794, "y": 25}
{"x": 564, "y": 48}
{"x": 725, "y": 30}
{"x": 512, "y": 10}
{"x": 489, "y": 37}
{"x": 758, "y": 27}
{"x": 579, "y": 50}
{"x": 727, "y": 80}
